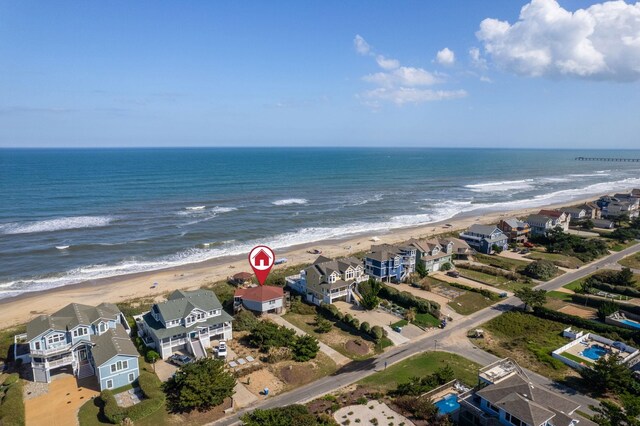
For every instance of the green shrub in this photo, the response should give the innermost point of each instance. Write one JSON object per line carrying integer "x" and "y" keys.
{"x": 150, "y": 386}
{"x": 11, "y": 379}
{"x": 12, "y": 405}
{"x": 244, "y": 321}
{"x": 486, "y": 293}
{"x": 365, "y": 327}
{"x": 377, "y": 332}
{"x": 611, "y": 331}
{"x": 540, "y": 270}
{"x": 408, "y": 300}
{"x": 617, "y": 289}
{"x": 112, "y": 411}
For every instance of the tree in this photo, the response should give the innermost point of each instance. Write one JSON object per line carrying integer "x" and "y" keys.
{"x": 607, "y": 308}
{"x": 369, "y": 292}
{"x": 200, "y": 385}
{"x": 448, "y": 266}
{"x": 531, "y": 298}
{"x": 587, "y": 224}
{"x": 611, "y": 414}
{"x": 622, "y": 218}
{"x": 266, "y": 335}
{"x": 305, "y": 348}
{"x": 377, "y": 332}
{"x": 540, "y": 270}
{"x": 151, "y": 357}
{"x": 496, "y": 248}
{"x": 410, "y": 314}
{"x": 624, "y": 234}
{"x": 281, "y": 416}
{"x": 625, "y": 277}
{"x": 244, "y": 321}
{"x": 323, "y": 325}
{"x": 608, "y": 374}
{"x": 421, "y": 269}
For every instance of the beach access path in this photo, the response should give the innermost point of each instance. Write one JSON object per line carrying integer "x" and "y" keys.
{"x": 453, "y": 339}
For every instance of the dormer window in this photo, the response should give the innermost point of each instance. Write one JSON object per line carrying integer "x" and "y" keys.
{"x": 56, "y": 338}
{"x": 102, "y": 327}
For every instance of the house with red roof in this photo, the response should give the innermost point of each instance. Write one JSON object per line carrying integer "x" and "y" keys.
{"x": 261, "y": 299}
{"x": 559, "y": 218}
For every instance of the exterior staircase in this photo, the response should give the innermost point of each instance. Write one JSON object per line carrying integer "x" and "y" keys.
{"x": 355, "y": 296}
{"x": 197, "y": 349}
{"x": 85, "y": 370}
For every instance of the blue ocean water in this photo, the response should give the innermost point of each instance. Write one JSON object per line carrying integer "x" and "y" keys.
{"x": 70, "y": 215}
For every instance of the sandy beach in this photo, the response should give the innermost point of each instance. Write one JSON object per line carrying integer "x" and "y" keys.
{"x": 20, "y": 309}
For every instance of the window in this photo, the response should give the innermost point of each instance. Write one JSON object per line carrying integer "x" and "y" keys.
{"x": 120, "y": 365}
{"x": 37, "y": 346}
{"x": 56, "y": 338}
{"x": 272, "y": 302}
{"x": 80, "y": 332}
{"x": 102, "y": 327}
{"x": 109, "y": 384}
{"x": 131, "y": 377}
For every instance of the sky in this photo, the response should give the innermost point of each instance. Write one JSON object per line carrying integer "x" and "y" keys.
{"x": 505, "y": 73}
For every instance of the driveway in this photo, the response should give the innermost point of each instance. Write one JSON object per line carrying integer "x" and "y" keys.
{"x": 164, "y": 369}
{"x": 513, "y": 255}
{"x": 60, "y": 405}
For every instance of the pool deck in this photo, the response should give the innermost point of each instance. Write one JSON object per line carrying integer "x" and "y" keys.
{"x": 576, "y": 349}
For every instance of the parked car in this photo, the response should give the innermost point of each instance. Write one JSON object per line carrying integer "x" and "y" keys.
{"x": 397, "y": 329}
{"x": 416, "y": 285}
{"x": 525, "y": 251}
{"x": 179, "y": 360}
{"x": 454, "y": 274}
{"x": 222, "y": 349}
{"x": 528, "y": 244}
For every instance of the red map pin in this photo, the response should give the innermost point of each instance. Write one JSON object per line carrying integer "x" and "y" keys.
{"x": 261, "y": 259}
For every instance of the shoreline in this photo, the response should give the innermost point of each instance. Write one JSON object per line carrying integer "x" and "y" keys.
{"x": 20, "y": 309}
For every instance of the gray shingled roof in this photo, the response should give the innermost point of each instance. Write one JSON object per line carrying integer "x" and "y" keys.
{"x": 111, "y": 343}
{"x": 538, "y": 220}
{"x": 180, "y": 303}
{"x": 316, "y": 274}
{"x": 71, "y": 316}
{"x": 535, "y": 398}
{"x": 161, "y": 332}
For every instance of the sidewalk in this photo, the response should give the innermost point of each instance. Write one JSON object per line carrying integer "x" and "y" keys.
{"x": 336, "y": 356}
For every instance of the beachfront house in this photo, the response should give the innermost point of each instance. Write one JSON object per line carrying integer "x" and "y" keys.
{"x": 618, "y": 205}
{"x": 329, "y": 280}
{"x": 517, "y": 230}
{"x": 240, "y": 279}
{"x": 484, "y": 238}
{"x": 262, "y": 299}
{"x": 507, "y": 396}
{"x": 432, "y": 253}
{"x": 387, "y": 262}
{"x": 82, "y": 340}
{"x": 539, "y": 224}
{"x": 186, "y": 321}
{"x": 591, "y": 209}
{"x": 576, "y": 213}
{"x": 560, "y": 219}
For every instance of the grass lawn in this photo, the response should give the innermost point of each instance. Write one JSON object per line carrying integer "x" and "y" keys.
{"x": 513, "y": 265}
{"x": 631, "y": 261}
{"x": 400, "y": 323}
{"x": 559, "y": 295}
{"x": 470, "y": 302}
{"x": 557, "y": 259}
{"x": 575, "y": 285}
{"x": 527, "y": 339}
{"x": 422, "y": 365}
{"x": 426, "y": 320}
{"x": 497, "y": 281}
{"x": 616, "y": 246}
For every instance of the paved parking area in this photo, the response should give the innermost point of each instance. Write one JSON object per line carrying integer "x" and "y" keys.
{"x": 60, "y": 405}
{"x": 164, "y": 369}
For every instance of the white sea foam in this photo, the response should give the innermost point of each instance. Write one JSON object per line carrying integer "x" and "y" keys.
{"x": 507, "y": 185}
{"x": 289, "y": 201}
{"x": 202, "y": 215}
{"x": 196, "y": 208}
{"x": 360, "y": 201}
{"x": 59, "y": 224}
{"x": 601, "y": 173}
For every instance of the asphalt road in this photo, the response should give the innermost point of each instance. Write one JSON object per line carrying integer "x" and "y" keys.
{"x": 356, "y": 371}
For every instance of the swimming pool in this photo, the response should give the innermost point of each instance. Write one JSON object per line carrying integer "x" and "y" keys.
{"x": 630, "y": 323}
{"x": 593, "y": 352}
{"x": 448, "y": 404}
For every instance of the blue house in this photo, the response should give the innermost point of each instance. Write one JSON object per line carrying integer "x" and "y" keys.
{"x": 483, "y": 238}
{"x": 388, "y": 262}
{"x": 82, "y": 340}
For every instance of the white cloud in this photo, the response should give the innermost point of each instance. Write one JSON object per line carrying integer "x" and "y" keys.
{"x": 361, "y": 45}
{"x": 387, "y": 63}
{"x": 401, "y": 84}
{"x": 403, "y": 76}
{"x": 406, "y": 95}
{"x": 600, "y": 42}
{"x": 446, "y": 57}
{"x": 476, "y": 58}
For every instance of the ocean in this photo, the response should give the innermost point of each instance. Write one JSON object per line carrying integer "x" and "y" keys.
{"x": 70, "y": 215}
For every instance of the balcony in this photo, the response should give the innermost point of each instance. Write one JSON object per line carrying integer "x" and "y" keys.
{"x": 335, "y": 294}
{"x": 51, "y": 351}
{"x": 67, "y": 360}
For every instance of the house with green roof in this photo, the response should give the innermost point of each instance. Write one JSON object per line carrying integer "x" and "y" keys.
{"x": 187, "y": 321}
{"x": 82, "y": 340}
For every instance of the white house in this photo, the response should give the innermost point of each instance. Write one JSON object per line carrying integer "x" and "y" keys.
{"x": 261, "y": 299}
